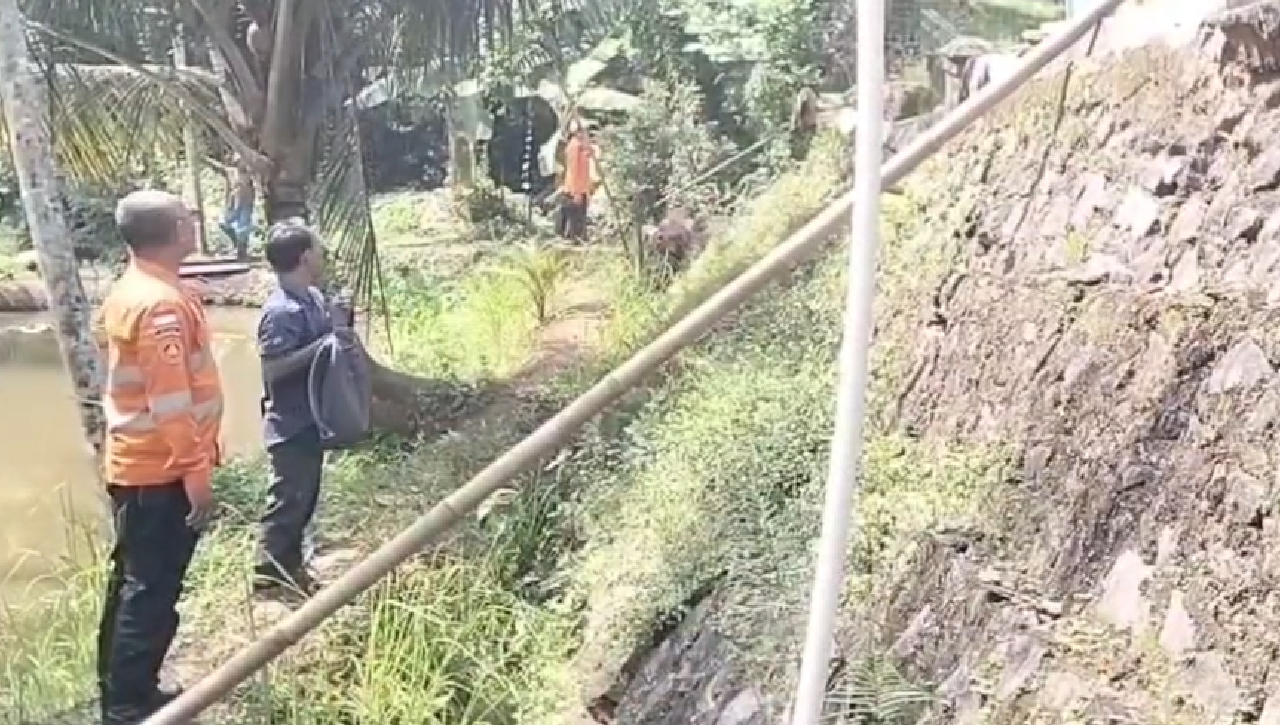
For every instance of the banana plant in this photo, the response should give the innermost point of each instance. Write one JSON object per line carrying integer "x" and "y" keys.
{"x": 577, "y": 92}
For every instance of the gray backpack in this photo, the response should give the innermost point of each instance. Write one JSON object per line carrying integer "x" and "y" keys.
{"x": 340, "y": 387}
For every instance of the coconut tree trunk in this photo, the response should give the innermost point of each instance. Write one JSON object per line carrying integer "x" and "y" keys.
{"x": 283, "y": 113}
{"x": 288, "y": 130}
{"x": 26, "y": 110}
{"x": 191, "y": 152}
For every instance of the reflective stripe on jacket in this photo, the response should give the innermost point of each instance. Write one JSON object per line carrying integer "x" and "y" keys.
{"x": 162, "y": 398}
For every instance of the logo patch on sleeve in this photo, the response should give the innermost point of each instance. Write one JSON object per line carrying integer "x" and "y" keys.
{"x": 171, "y": 352}
{"x": 166, "y": 325}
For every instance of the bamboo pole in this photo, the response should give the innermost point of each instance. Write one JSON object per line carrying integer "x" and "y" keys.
{"x": 558, "y": 431}
{"x": 855, "y": 347}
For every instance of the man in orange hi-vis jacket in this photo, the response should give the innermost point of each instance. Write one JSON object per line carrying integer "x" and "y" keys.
{"x": 163, "y": 405}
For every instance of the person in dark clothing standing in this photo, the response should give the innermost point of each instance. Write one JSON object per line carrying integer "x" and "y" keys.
{"x": 295, "y": 319}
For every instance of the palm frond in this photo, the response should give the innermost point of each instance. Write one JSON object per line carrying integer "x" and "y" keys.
{"x": 447, "y": 36}
{"x": 204, "y": 107}
{"x": 344, "y": 217}
{"x": 877, "y": 693}
{"x": 140, "y": 31}
{"x": 108, "y": 123}
{"x": 103, "y": 129}
{"x": 574, "y": 39}
{"x": 597, "y": 20}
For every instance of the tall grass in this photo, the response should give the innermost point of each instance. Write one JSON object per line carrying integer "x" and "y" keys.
{"x": 48, "y": 629}
{"x": 447, "y": 640}
{"x": 47, "y": 647}
{"x": 714, "y": 477}
{"x": 450, "y": 644}
{"x": 479, "y": 326}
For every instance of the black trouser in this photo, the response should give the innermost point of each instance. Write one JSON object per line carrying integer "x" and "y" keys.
{"x": 296, "y": 466}
{"x": 571, "y": 222}
{"x": 153, "y": 548}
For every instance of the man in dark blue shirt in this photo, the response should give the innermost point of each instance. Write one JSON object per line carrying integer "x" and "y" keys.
{"x": 295, "y": 319}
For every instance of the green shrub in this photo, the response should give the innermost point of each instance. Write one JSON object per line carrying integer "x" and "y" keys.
{"x": 660, "y": 153}
{"x": 399, "y": 215}
{"x": 760, "y": 224}
{"x": 541, "y": 271}
{"x": 485, "y": 209}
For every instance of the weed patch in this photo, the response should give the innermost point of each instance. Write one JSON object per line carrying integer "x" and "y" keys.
{"x": 480, "y": 326}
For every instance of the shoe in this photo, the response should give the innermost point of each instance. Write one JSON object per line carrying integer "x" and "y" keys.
{"x": 163, "y": 696}
{"x": 298, "y": 586}
{"x": 126, "y": 715}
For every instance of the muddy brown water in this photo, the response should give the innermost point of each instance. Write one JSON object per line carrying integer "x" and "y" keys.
{"x": 51, "y": 507}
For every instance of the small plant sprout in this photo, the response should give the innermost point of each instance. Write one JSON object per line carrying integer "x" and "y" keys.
{"x": 540, "y": 270}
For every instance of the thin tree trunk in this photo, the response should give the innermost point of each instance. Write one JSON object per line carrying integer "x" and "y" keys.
{"x": 461, "y": 157}
{"x": 26, "y": 109}
{"x": 191, "y": 151}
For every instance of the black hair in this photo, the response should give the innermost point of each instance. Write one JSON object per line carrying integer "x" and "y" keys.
{"x": 287, "y": 241}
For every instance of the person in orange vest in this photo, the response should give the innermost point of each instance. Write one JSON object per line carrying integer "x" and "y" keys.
{"x": 163, "y": 405}
{"x": 578, "y": 183}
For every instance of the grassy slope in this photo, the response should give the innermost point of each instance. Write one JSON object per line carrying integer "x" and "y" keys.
{"x": 712, "y": 475}
{"x": 719, "y": 478}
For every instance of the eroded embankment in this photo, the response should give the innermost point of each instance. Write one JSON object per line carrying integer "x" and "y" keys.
{"x": 1094, "y": 293}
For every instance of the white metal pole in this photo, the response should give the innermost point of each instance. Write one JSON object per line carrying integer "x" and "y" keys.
{"x": 846, "y": 441}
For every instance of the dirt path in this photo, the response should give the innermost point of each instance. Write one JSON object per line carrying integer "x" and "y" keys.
{"x": 561, "y": 343}
{"x": 567, "y": 338}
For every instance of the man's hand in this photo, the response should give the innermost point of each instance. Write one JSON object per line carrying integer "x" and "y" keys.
{"x": 341, "y": 310}
{"x": 349, "y": 339}
{"x": 200, "y": 496}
